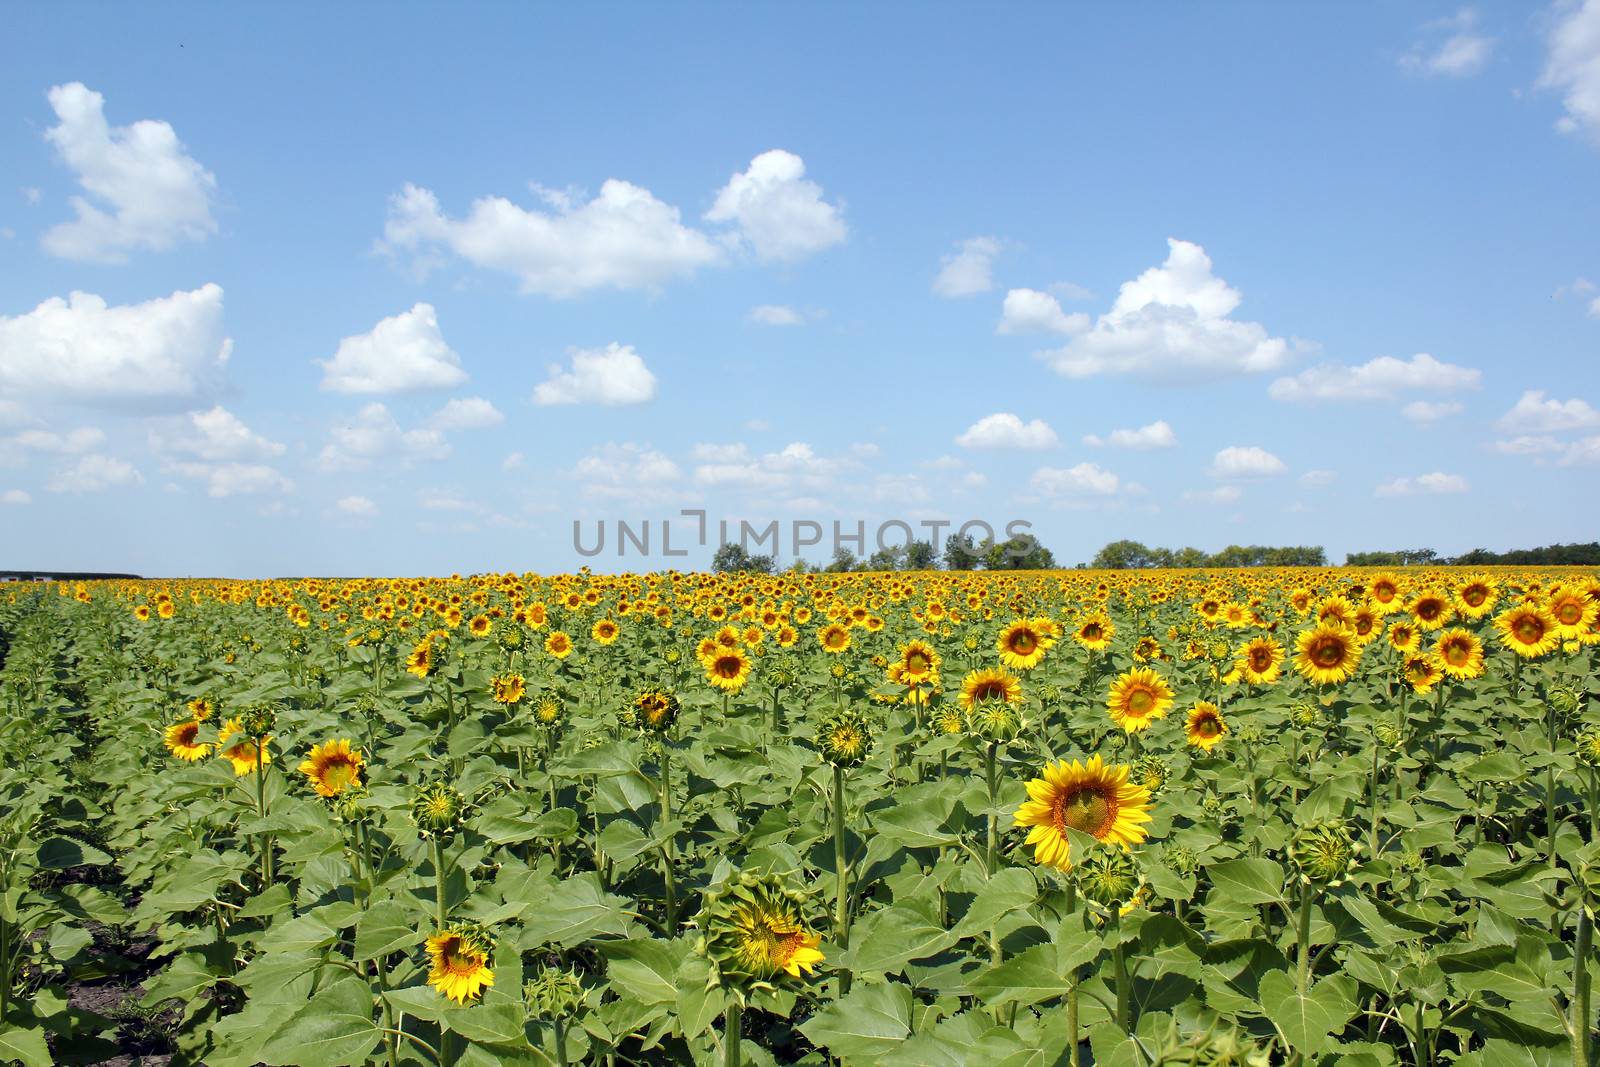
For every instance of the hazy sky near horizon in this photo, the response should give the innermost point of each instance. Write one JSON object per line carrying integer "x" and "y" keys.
{"x": 408, "y": 289}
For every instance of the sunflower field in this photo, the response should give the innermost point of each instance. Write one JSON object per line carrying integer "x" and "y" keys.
{"x": 1333, "y": 816}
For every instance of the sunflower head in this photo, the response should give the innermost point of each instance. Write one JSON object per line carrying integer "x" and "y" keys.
{"x": 844, "y": 738}
{"x": 438, "y": 808}
{"x": 1182, "y": 859}
{"x": 1305, "y": 714}
{"x": 460, "y": 958}
{"x": 1109, "y": 878}
{"x": 1094, "y": 798}
{"x": 1211, "y": 1048}
{"x": 513, "y": 638}
{"x": 755, "y": 932}
{"x": 548, "y": 712}
{"x": 181, "y": 740}
{"x": 333, "y": 767}
{"x": 1150, "y": 771}
{"x": 655, "y": 710}
{"x": 949, "y": 720}
{"x": 507, "y": 688}
{"x": 258, "y": 720}
{"x": 1589, "y": 746}
{"x": 1324, "y": 852}
{"x": 997, "y": 720}
{"x": 554, "y": 994}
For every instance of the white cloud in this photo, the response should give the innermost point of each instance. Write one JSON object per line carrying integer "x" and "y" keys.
{"x": 1529, "y": 445}
{"x": 1318, "y": 479}
{"x": 1430, "y": 484}
{"x": 1085, "y": 479}
{"x": 1426, "y": 411}
{"x": 706, "y": 452}
{"x": 235, "y": 479}
{"x": 1377, "y": 379}
{"x": 1222, "y": 494}
{"x": 1156, "y": 435}
{"x": 627, "y": 472}
{"x": 1452, "y": 47}
{"x": 1171, "y": 323}
{"x": 216, "y": 436}
{"x": 144, "y": 190}
{"x": 95, "y": 473}
{"x": 968, "y": 270}
{"x": 1030, "y": 311}
{"x": 402, "y": 353}
{"x": 513, "y": 461}
{"x": 15, "y": 497}
{"x": 372, "y": 434}
{"x": 14, "y": 414}
{"x": 444, "y": 500}
{"x": 81, "y": 349}
{"x": 865, "y": 450}
{"x": 900, "y": 489}
{"x": 1535, "y": 414}
{"x": 778, "y": 211}
{"x": 1573, "y": 67}
{"x": 611, "y": 376}
{"x": 466, "y": 413}
{"x": 776, "y": 315}
{"x": 71, "y": 443}
{"x": 1005, "y": 430}
{"x": 1245, "y": 461}
{"x": 794, "y": 467}
{"x": 1583, "y": 453}
{"x": 624, "y": 238}
{"x": 358, "y": 507}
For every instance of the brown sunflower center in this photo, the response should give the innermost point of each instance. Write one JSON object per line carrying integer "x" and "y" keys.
{"x": 728, "y": 666}
{"x": 1529, "y": 629}
{"x": 1023, "y": 642}
{"x": 1429, "y": 609}
{"x": 1208, "y": 727}
{"x": 1088, "y": 810}
{"x": 917, "y": 662}
{"x": 1260, "y": 659}
{"x": 1457, "y": 653}
{"x": 1474, "y": 595}
{"x": 1140, "y": 701}
{"x": 1568, "y": 612}
{"x": 339, "y": 773}
{"x": 1092, "y": 632}
{"x": 1328, "y": 652}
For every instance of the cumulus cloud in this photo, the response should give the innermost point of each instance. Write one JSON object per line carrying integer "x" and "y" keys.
{"x": 612, "y": 375}
{"x": 778, "y": 211}
{"x": 73, "y": 442}
{"x": 1426, "y": 411}
{"x": 15, "y": 497}
{"x": 1424, "y": 484}
{"x": 776, "y": 315}
{"x": 1172, "y": 324}
{"x": 968, "y": 270}
{"x": 1378, "y": 379}
{"x": 1030, "y": 311}
{"x": 234, "y": 479}
{"x": 795, "y": 467}
{"x": 216, "y": 435}
{"x": 1246, "y": 461}
{"x": 1156, "y": 435}
{"x": 372, "y": 435}
{"x": 143, "y": 191}
{"x": 1585, "y": 452}
{"x": 1318, "y": 479}
{"x": 358, "y": 507}
{"x": 627, "y": 472}
{"x": 1085, "y": 479}
{"x": 1534, "y": 413}
{"x": 402, "y": 353}
{"x": 83, "y": 350}
{"x": 1572, "y": 67}
{"x": 466, "y": 413}
{"x": 1005, "y": 430}
{"x": 1450, "y": 47}
{"x": 1222, "y": 494}
{"x": 94, "y": 473}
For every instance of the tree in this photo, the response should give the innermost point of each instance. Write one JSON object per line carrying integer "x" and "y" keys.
{"x": 734, "y": 557}
{"x": 960, "y": 554}
{"x": 1122, "y": 556}
{"x": 843, "y": 560}
{"x": 886, "y": 559}
{"x": 921, "y": 557}
{"x": 1020, "y": 553}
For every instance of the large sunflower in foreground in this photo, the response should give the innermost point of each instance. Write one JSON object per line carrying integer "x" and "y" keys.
{"x": 756, "y": 930}
{"x": 1326, "y": 654}
{"x": 180, "y": 741}
{"x": 990, "y": 684}
{"x": 1460, "y": 653}
{"x": 333, "y": 767}
{"x": 1022, "y": 644}
{"x": 459, "y": 960}
{"x": 1092, "y": 798}
{"x": 728, "y": 670}
{"x": 1527, "y": 629}
{"x": 1138, "y": 698}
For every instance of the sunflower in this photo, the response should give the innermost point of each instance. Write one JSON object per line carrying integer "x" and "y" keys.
{"x": 756, "y": 930}
{"x": 1022, "y": 644}
{"x": 949, "y": 720}
{"x": 1204, "y": 726}
{"x": 244, "y": 752}
{"x": 558, "y": 644}
{"x": 787, "y": 636}
{"x": 1572, "y": 610}
{"x": 1326, "y": 654}
{"x": 1146, "y": 649}
{"x": 460, "y": 962}
{"x": 992, "y": 683}
{"x": 1431, "y": 610}
{"x": 333, "y": 767}
{"x": 1528, "y": 630}
{"x": 918, "y": 663}
{"x": 1421, "y": 671}
{"x": 1460, "y": 653}
{"x": 833, "y": 638}
{"x": 1476, "y": 597}
{"x": 1092, "y": 798}
{"x": 1403, "y": 636}
{"x": 605, "y": 631}
{"x": 1137, "y": 698}
{"x": 200, "y": 708}
{"x": 507, "y": 688}
{"x": 1384, "y": 593}
{"x": 480, "y": 625}
{"x": 422, "y": 661}
{"x": 1261, "y": 661}
{"x": 142, "y": 613}
{"x": 728, "y": 670}
{"x": 1095, "y": 633}
{"x": 180, "y": 740}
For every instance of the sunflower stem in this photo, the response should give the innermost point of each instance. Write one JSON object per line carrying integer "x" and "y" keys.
{"x": 991, "y": 780}
{"x": 449, "y": 1050}
{"x": 1072, "y": 988}
{"x": 841, "y": 866}
{"x": 1119, "y": 967}
{"x": 1580, "y": 990}
{"x": 1550, "y": 784}
{"x": 1373, "y": 830}
{"x": 1303, "y": 940}
{"x": 666, "y": 817}
{"x": 561, "y": 1041}
{"x": 734, "y": 1035}
{"x": 261, "y": 811}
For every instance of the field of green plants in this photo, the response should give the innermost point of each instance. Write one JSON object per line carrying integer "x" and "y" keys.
{"x": 1332, "y": 817}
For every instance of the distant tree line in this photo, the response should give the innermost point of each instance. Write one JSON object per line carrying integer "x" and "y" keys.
{"x": 1131, "y": 555}
{"x": 1574, "y": 555}
{"x": 961, "y": 553}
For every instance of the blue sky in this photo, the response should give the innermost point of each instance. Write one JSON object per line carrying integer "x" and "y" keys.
{"x": 1193, "y": 275}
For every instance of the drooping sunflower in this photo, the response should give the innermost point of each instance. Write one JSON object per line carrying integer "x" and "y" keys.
{"x": 507, "y": 688}
{"x": 422, "y": 661}
{"x": 1261, "y": 661}
{"x": 834, "y": 638}
{"x": 460, "y": 962}
{"x": 1092, "y": 798}
{"x": 558, "y": 644}
{"x": 756, "y": 931}
{"x": 1137, "y": 698}
{"x": 1095, "y": 633}
{"x": 180, "y": 741}
{"x": 656, "y": 709}
{"x": 1528, "y": 630}
{"x": 1204, "y": 726}
{"x": 1326, "y": 654}
{"x": 242, "y": 753}
{"x": 992, "y": 683}
{"x": 1022, "y": 645}
{"x": 728, "y": 670}
{"x": 605, "y": 631}
{"x": 333, "y": 767}
{"x": 1460, "y": 653}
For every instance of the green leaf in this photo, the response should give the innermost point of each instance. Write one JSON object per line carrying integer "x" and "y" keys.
{"x": 1031, "y": 976}
{"x": 384, "y": 928}
{"x": 26, "y": 1046}
{"x": 576, "y": 910}
{"x": 59, "y": 853}
{"x": 1247, "y": 881}
{"x": 887, "y": 940}
{"x": 866, "y": 1023}
{"x": 334, "y": 1029}
{"x": 1010, "y": 889}
{"x": 645, "y": 969}
{"x": 514, "y": 817}
{"x": 697, "y": 1006}
{"x": 1307, "y": 1022}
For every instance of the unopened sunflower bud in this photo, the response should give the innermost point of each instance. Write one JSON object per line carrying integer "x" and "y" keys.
{"x": 554, "y": 994}
{"x": 1151, "y": 772}
{"x": 996, "y": 720}
{"x": 438, "y": 808}
{"x": 655, "y": 709}
{"x": 258, "y": 720}
{"x": 755, "y": 932}
{"x": 1324, "y": 852}
{"x": 844, "y": 738}
{"x": 1109, "y": 877}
